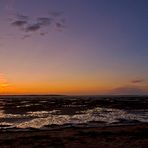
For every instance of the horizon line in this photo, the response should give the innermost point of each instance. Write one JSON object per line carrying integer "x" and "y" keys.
{"x": 73, "y": 95}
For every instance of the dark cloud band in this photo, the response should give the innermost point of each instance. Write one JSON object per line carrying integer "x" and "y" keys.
{"x": 25, "y": 24}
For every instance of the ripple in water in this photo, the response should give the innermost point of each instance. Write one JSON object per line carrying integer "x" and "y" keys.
{"x": 39, "y": 119}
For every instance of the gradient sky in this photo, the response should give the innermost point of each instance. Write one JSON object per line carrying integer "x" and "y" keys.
{"x": 73, "y": 46}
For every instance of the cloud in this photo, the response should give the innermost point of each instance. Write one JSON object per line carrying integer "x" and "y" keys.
{"x": 2, "y": 78}
{"x": 22, "y": 17}
{"x": 60, "y": 25}
{"x": 3, "y": 81}
{"x": 129, "y": 90}
{"x": 19, "y": 23}
{"x": 26, "y": 36}
{"x": 32, "y": 28}
{"x": 43, "y": 33}
{"x": 137, "y": 81}
{"x": 28, "y": 25}
{"x": 44, "y": 21}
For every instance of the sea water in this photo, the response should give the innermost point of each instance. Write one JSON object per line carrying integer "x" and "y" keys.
{"x": 24, "y": 112}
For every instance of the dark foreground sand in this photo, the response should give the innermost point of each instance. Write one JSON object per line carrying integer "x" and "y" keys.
{"x": 127, "y": 136}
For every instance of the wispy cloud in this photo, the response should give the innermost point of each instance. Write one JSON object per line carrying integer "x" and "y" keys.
{"x": 137, "y": 81}
{"x": 22, "y": 17}
{"x": 3, "y": 81}
{"x": 40, "y": 23}
{"x": 60, "y": 26}
{"x": 32, "y": 28}
{"x": 26, "y": 36}
{"x": 28, "y": 25}
{"x": 19, "y": 23}
{"x": 129, "y": 90}
{"x": 1, "y": 76}
{"x": 44, "y": 21}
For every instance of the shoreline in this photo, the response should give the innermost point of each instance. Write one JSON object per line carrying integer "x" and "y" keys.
{"x": 89, "y": 137}
{"x": 52, "y": 127}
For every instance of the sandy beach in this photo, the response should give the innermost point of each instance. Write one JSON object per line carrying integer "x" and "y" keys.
{"x": 131, "y": 136}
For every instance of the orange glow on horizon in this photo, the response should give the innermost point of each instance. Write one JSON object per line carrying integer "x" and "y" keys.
{"x": 67, "y": 87}
{"x": 52, "y": 89}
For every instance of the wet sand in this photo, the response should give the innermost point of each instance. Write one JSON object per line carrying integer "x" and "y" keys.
{"x": 130, "y": 136}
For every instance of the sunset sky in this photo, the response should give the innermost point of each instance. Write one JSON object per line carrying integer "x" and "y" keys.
{"x": 74, "y": 47}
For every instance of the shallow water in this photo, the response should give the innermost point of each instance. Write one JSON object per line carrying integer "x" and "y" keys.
{"x": 43, "y": 111}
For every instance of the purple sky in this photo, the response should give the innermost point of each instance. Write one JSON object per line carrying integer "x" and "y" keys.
{"x": 74, "y": 46}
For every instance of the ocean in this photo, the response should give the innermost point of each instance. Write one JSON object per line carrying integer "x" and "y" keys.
{"x": 57, "y": 111}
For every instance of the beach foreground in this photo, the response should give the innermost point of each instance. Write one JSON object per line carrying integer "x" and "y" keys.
{"x": 131, "y": 136}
